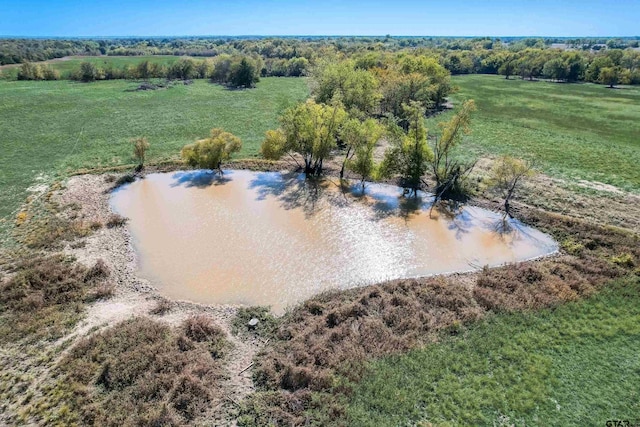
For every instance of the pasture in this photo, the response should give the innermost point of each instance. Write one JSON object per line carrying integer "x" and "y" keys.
{"x": 48, "y": 129}
{"x": 576, "y": 364}
{"x": 573, "y": 131}
{"x": 65, "y": 66}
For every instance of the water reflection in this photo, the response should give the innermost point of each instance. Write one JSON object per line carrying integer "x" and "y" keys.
{"x": 276, "y": 239}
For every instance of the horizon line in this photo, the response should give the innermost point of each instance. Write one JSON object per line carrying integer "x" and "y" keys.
{"x": 89, "y": 37}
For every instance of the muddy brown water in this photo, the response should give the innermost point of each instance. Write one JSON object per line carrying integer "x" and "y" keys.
{"x": 267, "y": 238}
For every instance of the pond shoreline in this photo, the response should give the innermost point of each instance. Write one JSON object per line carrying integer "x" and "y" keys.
{"x": 93, "y": 191}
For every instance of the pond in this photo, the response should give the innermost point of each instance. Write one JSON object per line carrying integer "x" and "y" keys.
{"x": 276, "y": 239}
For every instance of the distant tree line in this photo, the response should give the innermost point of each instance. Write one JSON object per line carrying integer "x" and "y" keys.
{"x": 600, "y": 60}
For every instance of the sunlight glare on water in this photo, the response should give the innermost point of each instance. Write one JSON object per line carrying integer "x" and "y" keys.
{"x": 266, "y": 238}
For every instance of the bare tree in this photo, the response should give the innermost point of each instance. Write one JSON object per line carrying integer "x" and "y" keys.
{"x": 506, "y": 176}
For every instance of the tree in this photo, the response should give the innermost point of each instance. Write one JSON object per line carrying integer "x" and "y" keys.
{"x": 609, "y": 76}
{"x": 140, "y": 147}
{"x": 183, "y": 69}
{"x": 310, "y": 130}
{"x": 29, "y": 71}
{"x": 409, "y": 154}
{"x": 555, "y": 69}
{"x": 446, "y": 170}
{"x": 507, "y": 174}
{"x": 357, "y": 89}
{"x": 575, "y": 65}
{"x": 507, "y": 65}
{"x": 88, "y": 72}
{"x": 209, "y": 153}
{"x": 598, "y": 63}
{"x": 143, "y": 70}
{"x": 360, "y": 139}
{"x": 244, "y": 74}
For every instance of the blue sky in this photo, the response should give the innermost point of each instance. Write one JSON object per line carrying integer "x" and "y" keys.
{"x": 329, "y": 17}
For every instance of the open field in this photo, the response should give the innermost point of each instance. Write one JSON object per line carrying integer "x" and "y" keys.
{"x": 581, "y": 131}
{"x": 49, "y": 128}
{"x": 577, "y": 364}
{"x": 574, "y": 130}
{"x": 65, "y": 66}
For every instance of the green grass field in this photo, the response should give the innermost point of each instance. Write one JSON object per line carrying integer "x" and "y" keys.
{"x": 577, "y": 364}
{"x": 574, "y": 130}
{"x": 51, "y": 128}
{"x": 582, "y": 131}
{"x": 67, "y": 66}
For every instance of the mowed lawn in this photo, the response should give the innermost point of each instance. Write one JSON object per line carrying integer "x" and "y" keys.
{"x": 574, "y": 131}
{"x": 51, "y": 128}
{"x": 575, "y": 365}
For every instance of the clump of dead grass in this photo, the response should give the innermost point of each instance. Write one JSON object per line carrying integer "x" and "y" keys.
{"x": 115, "y": 220}
{"x": 45, "y": 297}
{"x": 162, "y": 306}
{"x": 142, "y": 372}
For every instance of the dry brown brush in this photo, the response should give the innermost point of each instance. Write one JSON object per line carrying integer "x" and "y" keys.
{"x": 322, "y": 345}
{"x": 45, "y": 296}
{"x": 143, "y": 372}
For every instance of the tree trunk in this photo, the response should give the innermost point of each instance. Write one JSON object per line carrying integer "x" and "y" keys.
{"x": 344, "y": 163}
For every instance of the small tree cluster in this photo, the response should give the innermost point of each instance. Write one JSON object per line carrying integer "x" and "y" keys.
{"x": 236, "y": 71}
{"x": 209, "y": 153}
{"x": 310, "y": 130}
{"x": 370, "y": 86}
{"x": 29, "y": 71}
{"x": 409, "y": 154}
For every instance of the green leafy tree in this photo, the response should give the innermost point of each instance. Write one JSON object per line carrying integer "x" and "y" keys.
{"x": 140, "y": 147}
{"x": 409, "y": 155}
{"x": 209, "y": 153}
{"x": 609, "y": 76}
{"x": 593, "y": 71}
{"x": 507, "y": 65}
{"x": 88, "y": 72}
{"x": 555, "y": 69}
{"x": 447, "y": 170}
{"x": 360, "y": 138}
{"x": 182, "y": 69}
{"x": 357, "y": 89}
{"x": 143, "y": 70}
{"x": 575, "y": 65}
{"x": 310, "y": 130}
{"x": 29, "y": 71}
{"x": 244, "y": 74}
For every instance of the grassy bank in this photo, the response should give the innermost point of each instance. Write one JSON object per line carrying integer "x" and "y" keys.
{"x": 577, "y": 364}
{"x": 580, "y": 131}
{"x": 49, "y": 128}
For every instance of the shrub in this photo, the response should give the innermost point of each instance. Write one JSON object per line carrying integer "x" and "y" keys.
{"x": 124, "y": 179}
{"x": 116, "y": 220}
{"x": 209, "y": 153}
{"x": 201, "y": 329}
{"x": 140, "y": 147}
{"x": 97, "y": 272}
{"x": 624, "y": 260}
{"x": 162, "y": 306}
